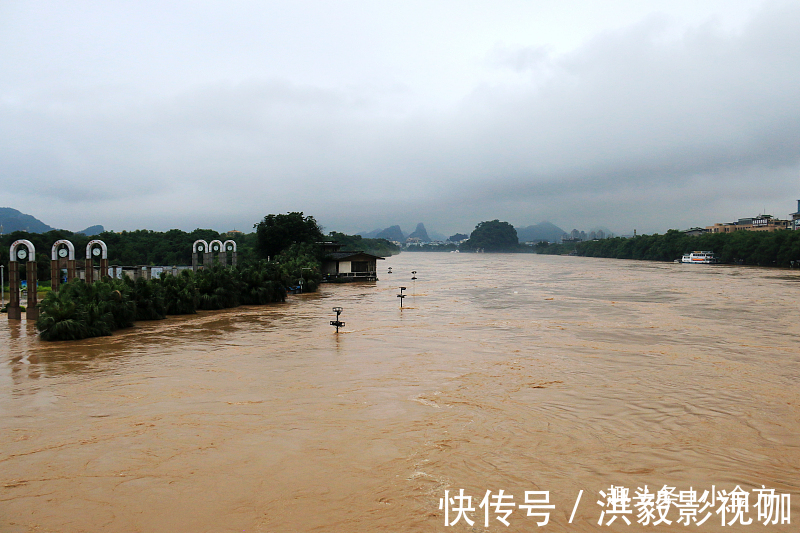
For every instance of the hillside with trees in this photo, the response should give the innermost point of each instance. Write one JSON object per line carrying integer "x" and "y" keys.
{"x": 492, "y": 236}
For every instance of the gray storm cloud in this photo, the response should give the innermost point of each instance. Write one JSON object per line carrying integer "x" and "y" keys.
{"x": 638, "y": 127}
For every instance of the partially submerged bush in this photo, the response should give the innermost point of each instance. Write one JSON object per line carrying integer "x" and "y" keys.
{"x": 79, "y": 310}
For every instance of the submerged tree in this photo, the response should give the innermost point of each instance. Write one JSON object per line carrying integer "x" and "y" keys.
{"x": 278, "y": 232}
{"x": 493, "y": 236}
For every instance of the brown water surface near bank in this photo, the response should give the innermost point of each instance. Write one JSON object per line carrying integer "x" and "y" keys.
{"x": 513, "y": 372}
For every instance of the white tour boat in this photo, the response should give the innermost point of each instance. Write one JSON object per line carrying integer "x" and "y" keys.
{"x": 699, "y": 257}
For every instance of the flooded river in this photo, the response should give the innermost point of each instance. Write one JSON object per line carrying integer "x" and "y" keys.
{"x": 504, "y": 372}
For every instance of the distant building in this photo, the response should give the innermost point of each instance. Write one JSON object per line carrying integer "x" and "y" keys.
{"x": 759, "y": 223}
{"x": 796, "y": 217}
{"x": 694, "y": 232}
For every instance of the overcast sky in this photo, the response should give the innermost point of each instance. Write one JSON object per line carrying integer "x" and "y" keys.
{"x": 619, "y": 114}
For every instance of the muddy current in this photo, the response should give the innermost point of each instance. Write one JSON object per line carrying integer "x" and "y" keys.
{"x": 502, "y": 372}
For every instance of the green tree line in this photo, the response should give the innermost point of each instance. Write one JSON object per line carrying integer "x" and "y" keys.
{"x": 272, "y": 235}
{"x": 758, "y": 248}
{"x": 140, "y": 247}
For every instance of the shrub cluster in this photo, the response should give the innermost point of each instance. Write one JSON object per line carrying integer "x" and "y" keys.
{"x": 80, "y": 310}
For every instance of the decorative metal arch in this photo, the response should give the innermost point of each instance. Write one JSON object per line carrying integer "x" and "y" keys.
{"x": 14, "y": 309}
{"x": 12, "y": 251}
{"x": 55, "y": 264}
{"x": 221, "y": 248}
{"x": 199, "y": 241}
{"x": 70, "y": 247}
{"x": 89, "y": 266}
{"x": 225, "y": 245}
{"x": 205, "y": 251}
{"x": 220, "y": 252}
{"x": 102, "y": 246}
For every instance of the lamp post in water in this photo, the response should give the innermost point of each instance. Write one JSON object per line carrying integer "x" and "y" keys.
{"x": 401, "y": 296}
{"x": 337, "y": 322}
{"x": 302, "y": 279}
{"x": 414, "y": 279}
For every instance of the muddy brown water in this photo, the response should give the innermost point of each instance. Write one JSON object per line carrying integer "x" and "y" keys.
{"x": 513, "y": 372}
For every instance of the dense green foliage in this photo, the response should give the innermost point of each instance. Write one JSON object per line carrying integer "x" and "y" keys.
{"x": 492, "y": 236}
{"x": 761, "y": 248}
{"x": 140, "y": 247}
{"x": 301, "y": 261}
{"x": 80, "y": 310}
{"x": 278, "y": 232}
{"x": 545, "y": 247}
{"x": 379, "y": 247}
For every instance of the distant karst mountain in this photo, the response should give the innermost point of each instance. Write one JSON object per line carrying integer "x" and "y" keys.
{"x": 420, "y": 233}
{"x": 392, "y": 234}
{"x": 13, "y": 220}
{"x": 370, "y": 234}
{"x": 92, "y": 230}
{"x": 544, "y": 231}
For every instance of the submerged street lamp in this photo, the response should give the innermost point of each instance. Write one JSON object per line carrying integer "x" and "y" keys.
{"x": 302, "y": 279}
{"x": 390, "y": 270}
{"x": 401, "y": 296}
{"x": 337, "y": 322}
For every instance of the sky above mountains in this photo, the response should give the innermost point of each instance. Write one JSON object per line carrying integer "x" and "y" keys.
{"x": 629, "y": 114}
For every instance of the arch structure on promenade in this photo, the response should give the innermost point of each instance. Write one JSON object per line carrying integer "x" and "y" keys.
{"x": 22, "y": 251}
{"x": 96, "y": 249}
{"x": 62, "y": 255}
{"x": 216, "y": 248}
{"x": 200, "y": 246}
{"x": 229, "y": 246}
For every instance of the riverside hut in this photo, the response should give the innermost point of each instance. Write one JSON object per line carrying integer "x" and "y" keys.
{"x": 350, "y": 266}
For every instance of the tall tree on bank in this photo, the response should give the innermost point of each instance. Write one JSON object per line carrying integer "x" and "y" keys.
{"x": 276, "y": 233}
{"x": 493, "y": 236}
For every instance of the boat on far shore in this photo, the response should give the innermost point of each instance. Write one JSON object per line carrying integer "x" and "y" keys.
{"x": 699, "y": 257}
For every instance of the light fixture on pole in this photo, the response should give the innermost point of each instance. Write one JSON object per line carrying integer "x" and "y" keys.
{"x": 401, "y": 296}
{"x": 337, "y": 322}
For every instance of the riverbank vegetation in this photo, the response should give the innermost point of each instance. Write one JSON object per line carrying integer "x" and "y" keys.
{"x": 492, "y": 236}
{"x": 379, "y": 247}
{"x": 174, "y": 247}
{"x": 269, "y": 264}
{"x": 80, "y": 310}
{"x": 757, "y": 248}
